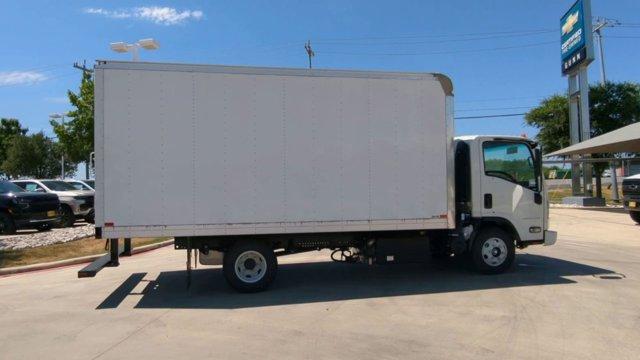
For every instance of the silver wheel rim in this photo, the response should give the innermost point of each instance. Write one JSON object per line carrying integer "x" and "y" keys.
{"x": 494, "y": 252}
{"x": 250, "y": 266}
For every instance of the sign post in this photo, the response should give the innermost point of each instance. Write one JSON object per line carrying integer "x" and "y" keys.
{"x": 576, "y": 54}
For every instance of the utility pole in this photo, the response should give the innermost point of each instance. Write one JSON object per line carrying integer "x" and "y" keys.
{"x": 600, "y": 24}
{"x": 61, "y": 117}
{"x": 82, "y": 67}
{"x": 310, "y": 52}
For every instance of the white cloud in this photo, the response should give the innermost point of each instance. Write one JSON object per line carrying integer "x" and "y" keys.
{"x": 21, "y": 77}
{"x": 156, "y": 14}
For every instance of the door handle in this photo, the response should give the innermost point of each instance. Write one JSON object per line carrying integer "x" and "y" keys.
{"x": 488, "y": 201}
{"x": 537, "y": 198}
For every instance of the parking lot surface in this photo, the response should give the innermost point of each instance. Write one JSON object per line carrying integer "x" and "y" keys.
{"x": 578, "y": 299}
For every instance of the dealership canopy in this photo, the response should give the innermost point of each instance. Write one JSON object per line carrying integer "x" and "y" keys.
{"x": 626, "y": 139}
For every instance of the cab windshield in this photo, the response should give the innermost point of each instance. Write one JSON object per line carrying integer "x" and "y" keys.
{"x": 9, "y": 187}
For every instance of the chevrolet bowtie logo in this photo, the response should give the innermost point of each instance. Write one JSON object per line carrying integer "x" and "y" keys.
{"x": 568, "y": 24}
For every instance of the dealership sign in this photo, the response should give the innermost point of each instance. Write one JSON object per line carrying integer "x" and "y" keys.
{"x": 576, "y": 37}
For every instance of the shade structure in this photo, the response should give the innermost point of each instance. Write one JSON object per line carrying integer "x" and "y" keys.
{"x": 626, "y": 139}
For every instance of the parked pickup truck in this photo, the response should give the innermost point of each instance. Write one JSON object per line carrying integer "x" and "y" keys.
{"x": 74, "y": 203}
{"x": 23, "y": 210}
{"x": 631, "y": 193}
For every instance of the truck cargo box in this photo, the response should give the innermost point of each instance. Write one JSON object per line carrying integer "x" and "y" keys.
{"x": 203, "y": 150}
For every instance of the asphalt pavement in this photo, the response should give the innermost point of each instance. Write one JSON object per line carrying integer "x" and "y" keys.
{"x": 578, "y": 299}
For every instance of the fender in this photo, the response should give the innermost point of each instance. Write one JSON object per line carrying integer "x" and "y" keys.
{"x": 480, "y": 223}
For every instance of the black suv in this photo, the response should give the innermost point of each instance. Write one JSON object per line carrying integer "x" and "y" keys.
{"x": 24, "y": 210}
{"x": 631, "y": 193}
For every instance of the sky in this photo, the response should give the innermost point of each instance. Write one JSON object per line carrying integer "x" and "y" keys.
{"x": 502, "y": 55}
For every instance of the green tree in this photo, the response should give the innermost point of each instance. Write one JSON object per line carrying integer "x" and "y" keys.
{"x": 8, "y": 129}
{"x": 33, "y": 155}
{"x": 611, "y": 106}
{"x": 76, "y": 134}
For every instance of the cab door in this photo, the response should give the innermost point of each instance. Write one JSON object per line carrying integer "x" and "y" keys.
{"x": 511, "y": 187}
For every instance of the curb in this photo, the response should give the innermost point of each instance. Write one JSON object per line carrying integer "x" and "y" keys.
{"x": 78, "y": 260}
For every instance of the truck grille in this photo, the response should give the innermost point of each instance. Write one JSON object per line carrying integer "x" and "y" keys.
{"x": 631, "y": 187}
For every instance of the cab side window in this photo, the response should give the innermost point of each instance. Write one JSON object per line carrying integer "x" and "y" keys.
{"x": 510, "y": 161}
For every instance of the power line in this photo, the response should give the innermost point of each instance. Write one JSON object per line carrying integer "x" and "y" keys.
{"x": 439, "y": 52}
{"x": 476, "y": 38}
{"x": 488, "y": 116}
{"x": 501, "y": 99}
{"x": 435, "y": 36}
{"x": 497, "y": 108}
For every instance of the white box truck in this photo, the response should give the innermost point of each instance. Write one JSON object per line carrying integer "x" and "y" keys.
{"x": 244, "y": 164}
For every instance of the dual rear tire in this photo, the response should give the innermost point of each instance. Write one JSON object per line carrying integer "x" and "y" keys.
{"x": 250, "y": 266}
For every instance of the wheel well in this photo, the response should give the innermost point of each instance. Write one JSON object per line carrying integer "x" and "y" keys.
{"x": 501, "y": 223}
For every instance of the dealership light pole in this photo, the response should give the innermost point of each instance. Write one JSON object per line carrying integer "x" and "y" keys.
{"x": 600, "y": 24}
{"x": 134, "y": 49}
{"x": 61, "y": 117}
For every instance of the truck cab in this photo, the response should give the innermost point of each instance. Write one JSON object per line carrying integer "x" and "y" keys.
{"x": 499, "y": 186}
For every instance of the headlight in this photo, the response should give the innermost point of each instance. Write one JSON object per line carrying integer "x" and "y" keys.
{"x": 20, "y": 202}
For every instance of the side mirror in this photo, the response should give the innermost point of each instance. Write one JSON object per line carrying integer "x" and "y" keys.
{"x": 39, "y": 190}
{"x": 537, "y": 198}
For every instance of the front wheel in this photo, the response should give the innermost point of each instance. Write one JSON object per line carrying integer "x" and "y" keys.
{"x": 635, "y": 216}
{"x": 493, "y": 251}
{"x": 250, "y": 266}
{"x": 7, "y": 227}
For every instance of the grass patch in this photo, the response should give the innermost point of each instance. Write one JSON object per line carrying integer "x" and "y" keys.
{"x": 557, "y": 193}
{"x": 68, "y": 250}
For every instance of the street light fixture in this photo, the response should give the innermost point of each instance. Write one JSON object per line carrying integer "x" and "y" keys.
{"x": 122, "y": 47}
{"x": 60, "y": 116}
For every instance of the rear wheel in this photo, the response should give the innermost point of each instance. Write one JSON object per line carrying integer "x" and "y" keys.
{"x": 67, "y": 219}
{"x": 493, "y": 251}
{"x": 7, "y": 226}
{"x": 250, "y": 266}
{"x": 635, "y": 216}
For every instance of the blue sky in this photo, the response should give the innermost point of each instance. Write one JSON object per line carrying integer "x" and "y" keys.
{"x": 503, "y": 55}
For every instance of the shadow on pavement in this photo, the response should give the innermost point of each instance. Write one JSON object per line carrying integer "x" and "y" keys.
{"x": 328, "y": 281}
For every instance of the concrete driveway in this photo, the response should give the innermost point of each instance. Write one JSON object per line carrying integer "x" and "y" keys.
{"x": 578, "y": 299}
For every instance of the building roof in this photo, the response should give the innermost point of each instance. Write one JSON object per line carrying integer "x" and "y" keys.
{"x": 625, "y": 139}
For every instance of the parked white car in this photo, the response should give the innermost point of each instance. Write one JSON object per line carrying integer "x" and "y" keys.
{"x": 74, "y": 203}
